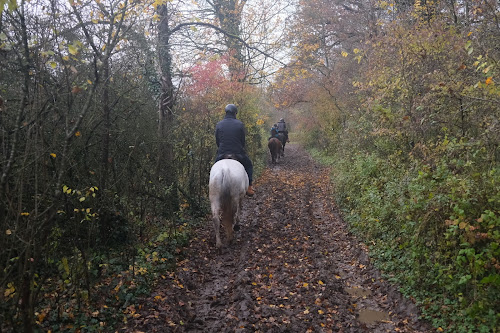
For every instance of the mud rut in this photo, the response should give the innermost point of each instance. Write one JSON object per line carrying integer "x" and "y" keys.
{"x": 294, "y": 267}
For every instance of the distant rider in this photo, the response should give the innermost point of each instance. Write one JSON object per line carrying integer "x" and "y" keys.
{"x": 274, "y": 132}
{"x": 282, "y": 129}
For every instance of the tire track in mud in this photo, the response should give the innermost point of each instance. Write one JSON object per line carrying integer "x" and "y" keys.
{"x": 294, "y": 267}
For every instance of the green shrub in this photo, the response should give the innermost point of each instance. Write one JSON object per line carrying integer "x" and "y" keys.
{"x": 433, "y": 224}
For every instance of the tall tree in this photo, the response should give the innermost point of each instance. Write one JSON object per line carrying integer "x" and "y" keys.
{"x": 229, "y": 16}
{"x": 165, "y": 168}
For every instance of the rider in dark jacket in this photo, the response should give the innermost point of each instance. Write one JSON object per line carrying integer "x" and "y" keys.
{"x": 230, "y": 139}
{"x": 282, "y": 128}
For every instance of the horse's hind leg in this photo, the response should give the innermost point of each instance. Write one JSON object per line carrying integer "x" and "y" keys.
{"x": 218, "y": 243}
{"x": 227, "y": 222}
{"x": 236, "y": 225}
{"x": 216, "y": 220}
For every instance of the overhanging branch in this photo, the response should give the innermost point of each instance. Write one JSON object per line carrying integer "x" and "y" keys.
{"x": 212, "y": 26}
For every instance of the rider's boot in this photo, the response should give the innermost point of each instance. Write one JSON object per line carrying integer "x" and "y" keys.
{"x": 250, "y": 191}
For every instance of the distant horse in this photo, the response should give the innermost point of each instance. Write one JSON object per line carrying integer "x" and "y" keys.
{"x": 274, "y": 145}
{"x": 227, "y": 187}
{"x": 282, "y": 138}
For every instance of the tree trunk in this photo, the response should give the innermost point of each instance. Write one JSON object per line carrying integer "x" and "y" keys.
{"x": 229, "y": 15}
{"x": 106, "y": 130}
{"x": 165, "y": 170}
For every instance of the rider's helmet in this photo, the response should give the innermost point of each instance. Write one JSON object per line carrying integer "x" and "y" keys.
{"x": 282, "y": 119}
{"x": 231, "y": 108}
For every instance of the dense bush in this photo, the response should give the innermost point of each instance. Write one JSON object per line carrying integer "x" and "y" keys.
{"x": 415, "y": 157}
{"x": 434, "y": 228}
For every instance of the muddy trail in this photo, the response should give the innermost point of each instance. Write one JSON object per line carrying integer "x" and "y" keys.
{"x": 294, "y": 267}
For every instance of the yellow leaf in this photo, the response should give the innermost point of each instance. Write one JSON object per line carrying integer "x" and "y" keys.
{"x": 53, "y": 64}
{"x": 8, "y": 232}
{"x": 82, "y": 199}
{"x": 41, "y": 316}
{"x": 78, "y": 133}
{"x": 440, "y": 329}
{"x": 10, "y": 291}
{"x": 118, "y": 285}
{"x": 306, "y": 311}
{"x": 72, "y": 49}
{"x": 489, "y": 80}
{"x": 320, "y": 282}
{"x": 321, "y": 312}
{"x": 305, "y": 285}
{"x": 344, "y": 54}
{"x": 25, "y": 214}
{"x": 158, "y": 3}
{"x": 53, "y": 155}
{"x": 89, "y": 82}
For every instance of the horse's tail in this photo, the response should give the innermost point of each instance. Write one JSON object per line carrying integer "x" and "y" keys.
{"x": 226, "y": 202}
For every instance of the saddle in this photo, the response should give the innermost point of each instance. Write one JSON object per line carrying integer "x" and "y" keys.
{"x": 229, "y": 157}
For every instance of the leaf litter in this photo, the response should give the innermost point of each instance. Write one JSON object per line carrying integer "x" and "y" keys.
{"x": 294, "y": 267}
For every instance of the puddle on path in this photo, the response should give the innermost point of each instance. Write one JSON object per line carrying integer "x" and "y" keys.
{"x": 358, "y": 292}
{"x": 371, "y": 316}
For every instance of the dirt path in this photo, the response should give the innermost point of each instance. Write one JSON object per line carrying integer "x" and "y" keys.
{"x": 294, "y": 267}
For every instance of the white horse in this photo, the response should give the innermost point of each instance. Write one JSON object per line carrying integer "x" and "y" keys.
{"x": 227, "y": 187}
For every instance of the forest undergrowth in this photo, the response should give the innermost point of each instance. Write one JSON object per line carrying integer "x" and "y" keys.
{"x": 425, "y": 233}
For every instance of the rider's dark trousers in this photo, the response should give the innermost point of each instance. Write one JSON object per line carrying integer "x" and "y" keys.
{"x": 286, "y": 135}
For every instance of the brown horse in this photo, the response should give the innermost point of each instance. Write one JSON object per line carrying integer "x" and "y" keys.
{"x": 275, "y": 149}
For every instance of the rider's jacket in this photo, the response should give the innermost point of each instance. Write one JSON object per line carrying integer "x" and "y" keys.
{"x": 274, "y": 131}
{"x": 230, "y": 136}
{"x": 281, "y": 126}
